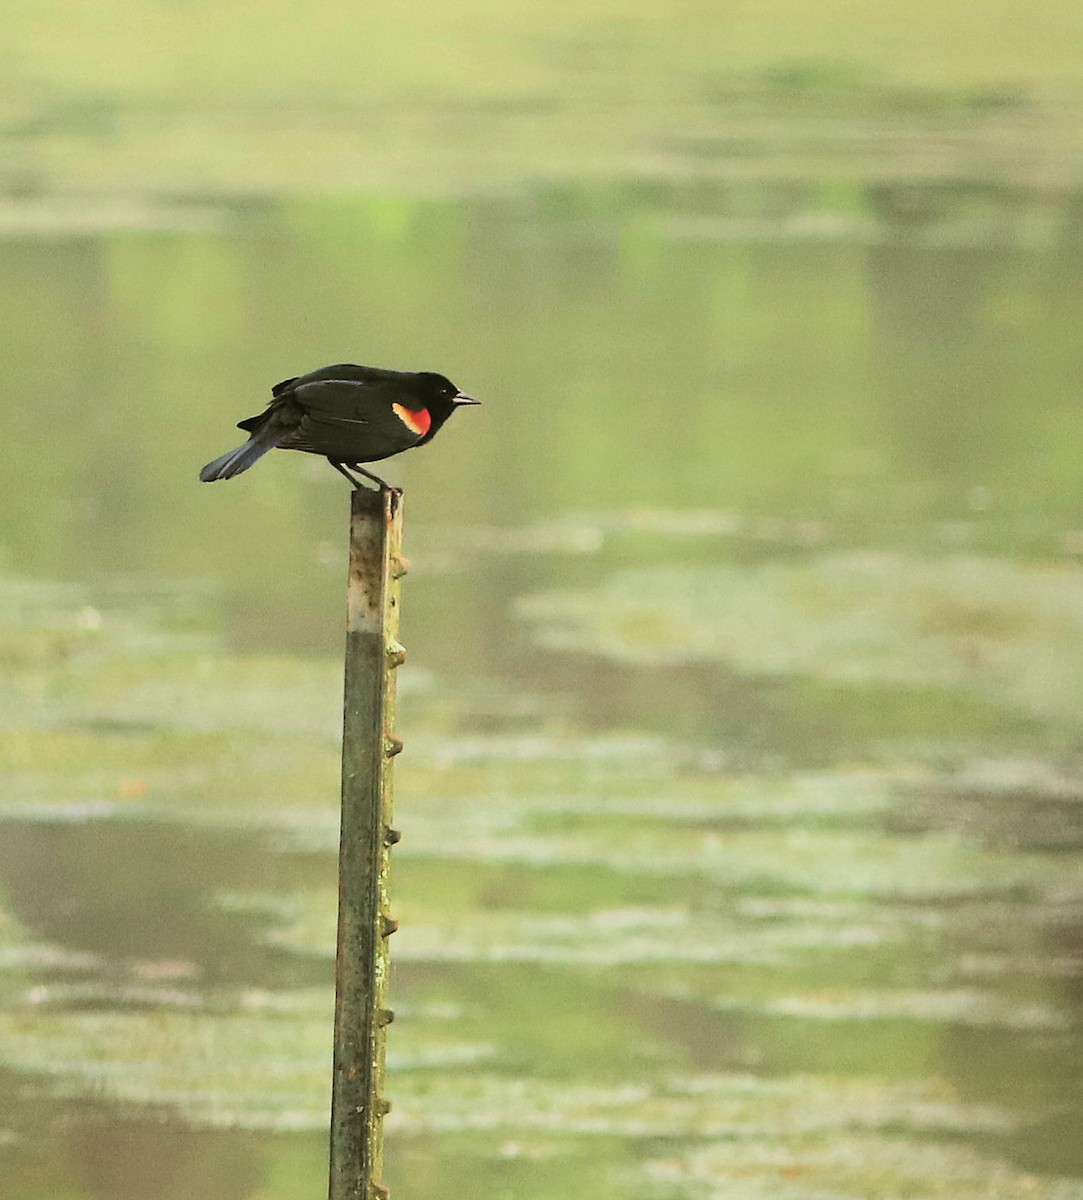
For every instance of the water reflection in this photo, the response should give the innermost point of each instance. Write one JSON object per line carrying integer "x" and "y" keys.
{"x": 741, "y": 804}
{"x": 139, "y": 899}
{"x": 96, "y": 1151}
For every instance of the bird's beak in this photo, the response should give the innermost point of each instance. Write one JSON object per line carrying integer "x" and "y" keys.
{"x": 463, "y": 398}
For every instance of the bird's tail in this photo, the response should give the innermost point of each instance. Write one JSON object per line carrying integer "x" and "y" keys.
{"x": 236, "y": 461}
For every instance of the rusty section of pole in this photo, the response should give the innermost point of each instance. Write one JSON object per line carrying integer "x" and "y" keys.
{"x": 358, "y": 1104}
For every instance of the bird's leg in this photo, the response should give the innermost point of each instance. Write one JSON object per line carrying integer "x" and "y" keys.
{"x": 383, "y": 484}
{"x": 355, "y": 483}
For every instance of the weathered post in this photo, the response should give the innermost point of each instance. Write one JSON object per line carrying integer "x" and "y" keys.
{"x": 364, "y": 923}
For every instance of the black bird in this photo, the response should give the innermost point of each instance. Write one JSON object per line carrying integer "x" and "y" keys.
{"x": 349, "y": 414}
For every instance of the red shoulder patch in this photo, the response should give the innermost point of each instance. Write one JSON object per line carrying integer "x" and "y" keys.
{"x": 417, "y": 422}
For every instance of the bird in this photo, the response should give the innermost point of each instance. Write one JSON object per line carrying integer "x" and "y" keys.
{"x": 349, "y": 414}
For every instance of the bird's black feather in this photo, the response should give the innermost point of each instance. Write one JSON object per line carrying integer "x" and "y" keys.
{"x": 346, "y": 412}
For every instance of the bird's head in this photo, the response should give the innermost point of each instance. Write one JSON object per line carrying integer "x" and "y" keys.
{"x": 441, "y": 398}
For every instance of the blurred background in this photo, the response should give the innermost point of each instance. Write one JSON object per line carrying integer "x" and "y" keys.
{"x": 742, "y": 805}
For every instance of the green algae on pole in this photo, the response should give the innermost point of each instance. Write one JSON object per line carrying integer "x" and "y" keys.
{"x": 362, "y": 960}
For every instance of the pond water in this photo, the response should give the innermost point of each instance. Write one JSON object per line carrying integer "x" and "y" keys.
{"x": 742, "y": 805}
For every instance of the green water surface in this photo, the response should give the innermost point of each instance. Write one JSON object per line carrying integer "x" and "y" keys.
{"x": 742, "y": 801}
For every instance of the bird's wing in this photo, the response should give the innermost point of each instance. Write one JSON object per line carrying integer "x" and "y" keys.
{"x": 347, "y": 374}
{"x": 352, "y": 419}
{"x": 343, "y": 372}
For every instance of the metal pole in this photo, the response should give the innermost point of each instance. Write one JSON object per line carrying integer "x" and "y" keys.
{"x": 364, "y": 923}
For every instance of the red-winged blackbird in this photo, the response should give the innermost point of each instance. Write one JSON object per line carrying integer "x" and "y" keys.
{"x": 349, "y": 414}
